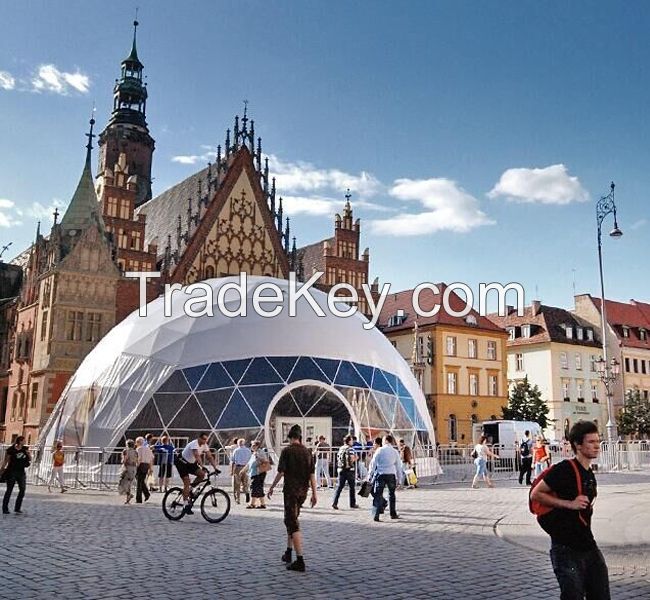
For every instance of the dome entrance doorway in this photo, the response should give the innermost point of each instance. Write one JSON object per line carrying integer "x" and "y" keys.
{"x": 318, "y": 409}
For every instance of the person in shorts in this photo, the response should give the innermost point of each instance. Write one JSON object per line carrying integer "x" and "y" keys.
{"x": 296, "y": 465}
{"x": 165, "y": 450}
{"x": 190, "y": 462}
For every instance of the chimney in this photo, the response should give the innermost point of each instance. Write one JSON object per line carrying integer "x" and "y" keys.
{"x": 535, "y": 305}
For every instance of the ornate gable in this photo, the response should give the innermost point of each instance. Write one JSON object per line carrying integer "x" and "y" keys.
{"x": 90, "y": 255}
{"x": 237, "y": 233}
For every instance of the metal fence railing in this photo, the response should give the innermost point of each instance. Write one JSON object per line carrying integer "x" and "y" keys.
{"x": 100, "y": 468}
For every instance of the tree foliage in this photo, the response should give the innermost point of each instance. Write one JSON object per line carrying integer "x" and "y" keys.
{"x": 634, "y": 417}
{"x": 525, "y": 404}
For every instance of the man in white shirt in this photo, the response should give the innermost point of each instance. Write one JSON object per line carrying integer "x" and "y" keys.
{"x": 385, "y": 471}
{"x": 239, "y": 470}
{"x": 190, "y": 462}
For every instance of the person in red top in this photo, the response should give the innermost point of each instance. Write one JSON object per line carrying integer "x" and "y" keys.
{"x": 541, "y": 456}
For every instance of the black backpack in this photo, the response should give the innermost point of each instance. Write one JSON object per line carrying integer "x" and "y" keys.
{"x": 524, "y": 449}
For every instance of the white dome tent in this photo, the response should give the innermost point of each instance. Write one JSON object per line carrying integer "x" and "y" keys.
{"x": 251, "y": 377}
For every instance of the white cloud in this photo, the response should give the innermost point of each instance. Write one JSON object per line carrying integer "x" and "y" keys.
{"x": 6, "y": 218}
{"x": 448, "y": 208}
{"x": 40, "y": 212}
{"x": 50, "y": 79}
{"x": 302, "y": 176}
{"x": 186, "y": 159}
{"x": 209, "y": 154}
{"x": 324, "y": 206}
{"x": 7, "y": 81}
{"x": 550, "y": 185}
{"x": 638, "y": 224}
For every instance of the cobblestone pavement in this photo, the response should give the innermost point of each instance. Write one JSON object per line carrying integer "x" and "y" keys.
{"x": 90, "y": 546}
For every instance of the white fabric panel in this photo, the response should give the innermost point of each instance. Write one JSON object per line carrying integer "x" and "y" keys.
{"x": 137, "y": 355}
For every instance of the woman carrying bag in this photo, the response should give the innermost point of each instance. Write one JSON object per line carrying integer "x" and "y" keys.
{"x": 259, "y": 465}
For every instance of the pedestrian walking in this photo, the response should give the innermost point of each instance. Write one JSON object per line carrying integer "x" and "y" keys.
{"x": 541, "y": 456}
{"x": 408, "y": 464}
{"x": 129, "y": 467}
{"x": 145, "y": 466}
{"x": 346, "y": 459}
{"x": 480, "y": 454}
{"x": 17, "y": 459}
{"x": 165, "y": 451}
{"x": 239, "y": 470}
{"x": 569, "y": 490}
{"x": 526, "y": 458}
{"x": 322, "y": 454}
{"x": 58, "y": 459}
{"x": 385, "y": 471}
{"x": 296, "y": 465}
{"x": 258, "y": 466}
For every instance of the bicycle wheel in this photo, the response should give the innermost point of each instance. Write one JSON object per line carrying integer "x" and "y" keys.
{"x": 215, "y": 505}
{"x": 173, "y": 504}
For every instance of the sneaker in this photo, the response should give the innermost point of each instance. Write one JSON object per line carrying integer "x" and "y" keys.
{"x": 188, "y": 510}
{"x": 5, "y": 511}
{"x": 248, "y": 497}
{"x": 376, "y": 518}
{"x": 297, "y": 565}
{"x": 335, "y": 507}
{"x": 355, "y": 506}
{"x": 19, "y": 512}
{"x": 394, "y": 516}
{"x": 286, "y": 557}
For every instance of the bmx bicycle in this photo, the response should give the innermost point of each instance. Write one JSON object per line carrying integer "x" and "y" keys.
{"x": 215, "y": 502}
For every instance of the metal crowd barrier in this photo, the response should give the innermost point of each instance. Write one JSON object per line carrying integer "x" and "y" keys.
{"x": 99, "y": 468}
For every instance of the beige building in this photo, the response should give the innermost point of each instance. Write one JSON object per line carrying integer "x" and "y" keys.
{"x": 628, "y": 340}
{"x": 460, "y": 362}
{"x": 557, "y": 352}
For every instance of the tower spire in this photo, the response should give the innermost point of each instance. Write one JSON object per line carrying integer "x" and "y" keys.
{"x": 134, "y": 52}
{"x": 89, "y": 145}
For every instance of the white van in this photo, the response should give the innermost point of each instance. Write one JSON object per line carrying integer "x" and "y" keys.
{"x": 506, "y": 434}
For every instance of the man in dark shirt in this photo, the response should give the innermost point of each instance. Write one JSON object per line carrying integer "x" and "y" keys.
{"x": 16, "y": 461}
{"x": 577, "y": 562}
{"x": 296, "y": 465}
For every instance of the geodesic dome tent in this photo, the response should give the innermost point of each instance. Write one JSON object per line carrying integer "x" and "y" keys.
{"x": 246, "y": 376}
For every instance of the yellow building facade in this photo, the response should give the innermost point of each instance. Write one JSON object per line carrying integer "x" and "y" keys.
{"x": 460, "y": 363}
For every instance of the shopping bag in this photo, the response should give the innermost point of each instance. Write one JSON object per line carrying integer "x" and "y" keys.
{"x": 364, "y": 491}
{"x": 411, "y": 477}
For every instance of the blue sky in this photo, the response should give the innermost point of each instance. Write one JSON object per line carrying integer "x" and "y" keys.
{"x": 475, "y": 137}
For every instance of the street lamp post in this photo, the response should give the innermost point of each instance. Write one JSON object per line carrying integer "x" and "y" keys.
{"x": 604, "y": 207}
{"x": 608, "y": 373}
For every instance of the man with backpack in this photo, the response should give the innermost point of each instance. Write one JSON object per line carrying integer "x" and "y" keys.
{"x": 526, "y": 458}
{"x": 346, "y": 462}
{"x": 562, "y": 498}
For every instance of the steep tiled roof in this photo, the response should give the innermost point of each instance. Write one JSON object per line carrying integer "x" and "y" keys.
{"x": 312, "y": 256}
{"x": 634, "y": 315}
{"x": 404, "y": 301}
{"x": 547, "y": 325}
{"x": 84, "y": 208}
{"x": 163, "y": 210}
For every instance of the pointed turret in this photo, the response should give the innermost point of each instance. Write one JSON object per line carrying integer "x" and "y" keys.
{"x": 127, "y": 132}
{"x": 84, "y": 210}
{"x": 130, "y": 92}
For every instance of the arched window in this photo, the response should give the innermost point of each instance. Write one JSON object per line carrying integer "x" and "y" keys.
{"x": 474, "y": 418}
{"x": 567, "y": 428}
{"x": 453, "y": 428}
{"x": 209, "y": 272}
